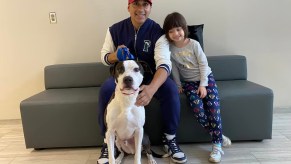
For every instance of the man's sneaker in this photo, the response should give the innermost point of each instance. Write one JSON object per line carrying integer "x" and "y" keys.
{"x": 103, "y": 159}
{"x": 226, "y": 142}
{"x": 173, "y": 149}
{"x": 215, "y": 155}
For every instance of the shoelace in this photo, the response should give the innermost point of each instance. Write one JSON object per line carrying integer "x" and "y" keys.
{"x": 173, "y": 146}
{"x": 104, "y": 151}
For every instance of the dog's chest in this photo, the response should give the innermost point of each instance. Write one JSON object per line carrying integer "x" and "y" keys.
{"x": 127, "y": 123}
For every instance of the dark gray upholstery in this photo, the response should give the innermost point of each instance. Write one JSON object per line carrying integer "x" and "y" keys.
{"x": 65, "y": 114}
{"x": 75, "y": 75}
{"x": 232, "y": 67}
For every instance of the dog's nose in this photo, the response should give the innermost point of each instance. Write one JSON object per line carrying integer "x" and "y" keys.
{"x": 127, "y": 80}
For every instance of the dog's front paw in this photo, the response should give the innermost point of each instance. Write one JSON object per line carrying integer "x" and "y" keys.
{"x": 119, "y": 158}
{"x": 139, "y": 162}
{"x": 117, "y": 161}
{"x": 152, "y": 162}
{"x": 151, "y": 159}
{"x": 112, "y": 161}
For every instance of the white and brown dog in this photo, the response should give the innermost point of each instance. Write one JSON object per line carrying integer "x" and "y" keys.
{"x": 124, "y": 119}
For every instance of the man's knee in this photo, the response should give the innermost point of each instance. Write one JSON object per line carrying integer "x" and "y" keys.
{"x": 105, "y": 94}
{"x": 170, "y": 89}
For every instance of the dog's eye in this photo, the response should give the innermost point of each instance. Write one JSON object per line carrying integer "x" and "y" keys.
{"x": 136, "y": 70}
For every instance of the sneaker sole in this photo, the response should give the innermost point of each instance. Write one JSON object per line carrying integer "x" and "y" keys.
{"x": 214, "y": 161}
{"x": 174, "y": 160}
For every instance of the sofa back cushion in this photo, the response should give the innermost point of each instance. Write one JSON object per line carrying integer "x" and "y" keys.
{"x": 224, "y": 67}
{"x": 228, "y": 67}
{"x": 75, "y": 75}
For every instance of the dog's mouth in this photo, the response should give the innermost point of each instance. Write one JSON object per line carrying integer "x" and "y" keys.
{"x": 128, "y": 91}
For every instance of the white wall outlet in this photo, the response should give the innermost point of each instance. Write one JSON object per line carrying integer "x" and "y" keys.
{"x": 53, "y": 17}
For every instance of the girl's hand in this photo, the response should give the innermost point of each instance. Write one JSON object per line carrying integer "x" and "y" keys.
{"x": 181, "y": 90}
{"x": 202, "y": 91}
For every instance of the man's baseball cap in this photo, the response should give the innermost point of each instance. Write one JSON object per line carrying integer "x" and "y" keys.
{"x": 130, "y": 1}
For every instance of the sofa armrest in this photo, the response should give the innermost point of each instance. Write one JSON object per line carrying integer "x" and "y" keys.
{"x": 228, "y": 67}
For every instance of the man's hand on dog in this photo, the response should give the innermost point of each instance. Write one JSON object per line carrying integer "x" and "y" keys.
{"x": 145, "y": 96}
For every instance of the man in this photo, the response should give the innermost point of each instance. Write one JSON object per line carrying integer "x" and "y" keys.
{"x": 144, "y": 39}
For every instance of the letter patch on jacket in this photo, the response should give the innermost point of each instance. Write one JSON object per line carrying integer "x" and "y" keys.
{"x": 146, "y": 45}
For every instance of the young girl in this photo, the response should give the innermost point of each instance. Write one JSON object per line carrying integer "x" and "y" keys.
{"x": 190, "y": 63}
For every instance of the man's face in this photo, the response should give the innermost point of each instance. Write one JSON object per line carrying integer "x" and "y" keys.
{"x": 139, "y": 11}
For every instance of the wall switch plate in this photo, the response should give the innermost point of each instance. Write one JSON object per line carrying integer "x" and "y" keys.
{"x": 53, "y": 17}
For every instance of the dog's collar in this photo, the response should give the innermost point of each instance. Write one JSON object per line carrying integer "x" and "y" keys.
{"x": 128, "y": 93}
{"x": 134, "y": 90}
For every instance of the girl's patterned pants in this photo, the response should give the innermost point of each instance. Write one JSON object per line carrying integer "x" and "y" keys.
{"x": 206, "y": 110}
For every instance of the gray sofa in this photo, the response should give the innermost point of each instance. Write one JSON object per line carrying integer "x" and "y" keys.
{"x": 65, "y": 113}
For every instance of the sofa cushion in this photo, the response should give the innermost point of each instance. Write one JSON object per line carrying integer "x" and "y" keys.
{"x": 245, "y": 108}
{"x": 75, "y": 75}
{"x": 61, "y": 118}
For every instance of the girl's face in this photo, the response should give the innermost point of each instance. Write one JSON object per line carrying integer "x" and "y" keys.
{"x": 177, "y": 34}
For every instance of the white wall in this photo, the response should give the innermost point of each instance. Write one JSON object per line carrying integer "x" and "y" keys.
{"x": 258, "y": 29}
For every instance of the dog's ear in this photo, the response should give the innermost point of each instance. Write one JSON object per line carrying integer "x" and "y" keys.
{"x": 140, "y": 67}
{"x": 112, "y": 69}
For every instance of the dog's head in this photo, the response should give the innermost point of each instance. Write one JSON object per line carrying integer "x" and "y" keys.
{"x": 128, "y": 76}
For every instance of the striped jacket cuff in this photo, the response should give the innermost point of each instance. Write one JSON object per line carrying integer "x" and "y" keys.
{"x": 166, "y": 67}
{"x": 106, "y": 59}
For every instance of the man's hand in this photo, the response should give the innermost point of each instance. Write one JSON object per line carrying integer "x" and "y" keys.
{"x": 147, "y": 91}
{"x": 123, "y": 54}
{"x": 145, "y": 96}
{"x": 202, "y": 91}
